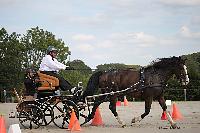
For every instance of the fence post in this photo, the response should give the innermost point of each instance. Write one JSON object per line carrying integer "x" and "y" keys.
{"x": 4, "y": 93}
{"x": 185, "y": 95}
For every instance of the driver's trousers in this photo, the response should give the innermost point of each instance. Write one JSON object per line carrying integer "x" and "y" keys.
{"x": 63, "y": 84}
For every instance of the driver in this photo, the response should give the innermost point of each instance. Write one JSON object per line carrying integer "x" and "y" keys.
{"x": 51, "y": 66}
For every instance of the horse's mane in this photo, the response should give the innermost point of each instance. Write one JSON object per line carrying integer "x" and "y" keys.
{"x": 163, "y": 62}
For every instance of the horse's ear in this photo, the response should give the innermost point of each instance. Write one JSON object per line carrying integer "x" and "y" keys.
{"x": 181, "y": 59}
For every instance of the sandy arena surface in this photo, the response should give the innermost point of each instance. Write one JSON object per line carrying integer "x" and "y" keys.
{"x": 150, "y": 124}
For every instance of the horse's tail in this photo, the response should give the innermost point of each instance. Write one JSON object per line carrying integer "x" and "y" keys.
{"x": 92, "y": 85}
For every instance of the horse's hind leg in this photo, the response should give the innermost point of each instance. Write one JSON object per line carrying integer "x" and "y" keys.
{"x": 162, "y": 103}
{"x": 148, "y": 102}
{"x": 112, "y": 107}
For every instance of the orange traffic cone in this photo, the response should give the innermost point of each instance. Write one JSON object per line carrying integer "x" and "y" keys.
{"x": 2, "y": 125}
{"x": 125, "y": 101}
{"x": 164, "y": 116}
{"x": 118, "y": 103}
{"x": 176, "y": 115}
{"x": 74, "y": 124}
{"x": 97, "y": 120}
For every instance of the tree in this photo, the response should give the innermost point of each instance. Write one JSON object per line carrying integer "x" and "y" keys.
{"x": 80, "y": 66}
{"x": 11, "y": 52}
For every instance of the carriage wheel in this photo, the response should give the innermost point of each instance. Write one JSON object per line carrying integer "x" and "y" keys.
{"x": 48, "y": 113}
{"x": 31, "y": 116}
{"x": 62, "y": 113}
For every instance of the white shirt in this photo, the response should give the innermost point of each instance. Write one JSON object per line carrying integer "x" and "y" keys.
{"x": 49, "y": 64}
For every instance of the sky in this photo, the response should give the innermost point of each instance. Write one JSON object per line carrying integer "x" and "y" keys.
{"x": 132, "y": 32}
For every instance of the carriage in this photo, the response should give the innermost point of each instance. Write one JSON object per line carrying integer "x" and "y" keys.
{"x": 45, "y": 106}
{"x": 148, "y": 83}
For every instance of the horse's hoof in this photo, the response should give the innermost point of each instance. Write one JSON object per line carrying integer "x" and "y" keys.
{"x": 86, "y": 121}
{"x": 123, "y": 126}
{"x": 133, "y": 121}
{"x": 174, "y": 126}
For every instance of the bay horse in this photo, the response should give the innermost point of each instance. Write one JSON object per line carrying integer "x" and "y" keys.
{"x": 148, "y": 83}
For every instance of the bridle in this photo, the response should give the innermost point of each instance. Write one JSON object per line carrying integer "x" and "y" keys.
{"x": 185, "y": 81}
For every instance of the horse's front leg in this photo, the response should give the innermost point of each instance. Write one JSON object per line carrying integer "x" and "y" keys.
{"x": 148, "y": 102}
{"x": 112, "y": 107}
{"x": 164, "y": 107}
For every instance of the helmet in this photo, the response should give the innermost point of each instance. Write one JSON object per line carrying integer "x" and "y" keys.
{"x": 51, "y": 48}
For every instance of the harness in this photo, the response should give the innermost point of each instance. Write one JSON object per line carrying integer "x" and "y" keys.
{"x": 142, "y": 77}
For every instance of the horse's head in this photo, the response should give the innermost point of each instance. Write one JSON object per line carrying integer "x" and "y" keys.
{"x": 176, "y": 66}
{"x": 181, "y": 70}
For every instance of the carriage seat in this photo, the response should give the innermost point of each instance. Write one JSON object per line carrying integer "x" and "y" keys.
{"x": 47, "y": 82}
